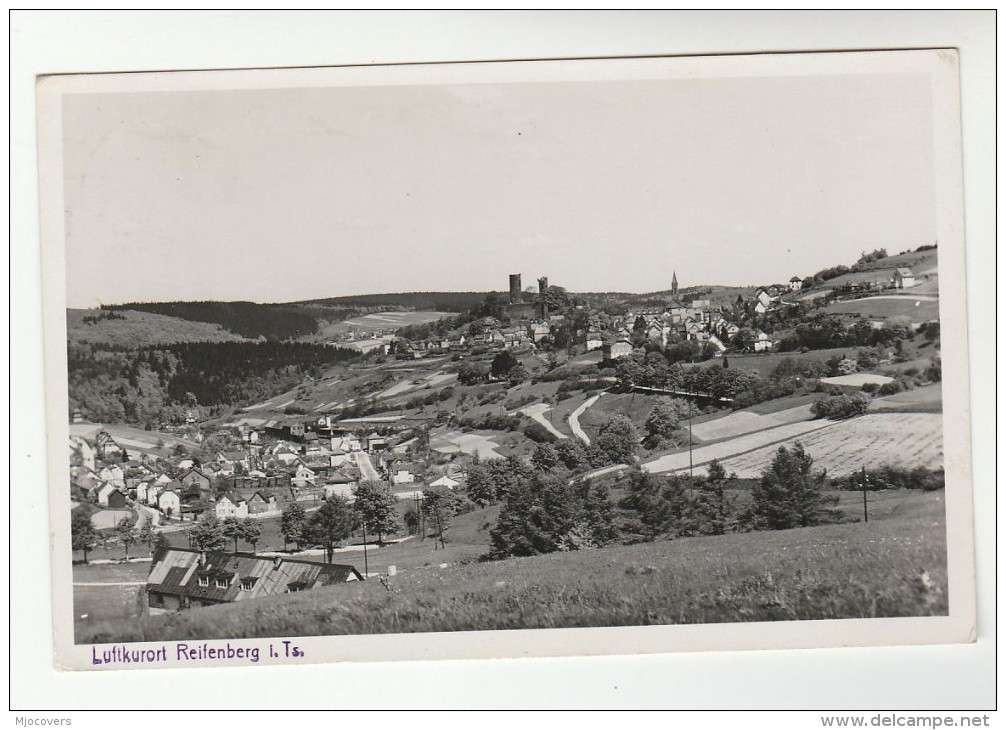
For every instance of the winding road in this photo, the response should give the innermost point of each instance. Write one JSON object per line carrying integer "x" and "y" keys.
{"x": 537, "y": 413}
{"x": 574, "y": 418}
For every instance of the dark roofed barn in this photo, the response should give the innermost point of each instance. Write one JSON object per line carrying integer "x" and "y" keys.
{"x": 181, "y": 578}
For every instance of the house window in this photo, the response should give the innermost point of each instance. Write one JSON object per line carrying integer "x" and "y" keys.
{"x": 247, "y": 585}
{"x": 221, "y": 583}
{"x": 293, "y": 589}
{"x": 204, "y": 581}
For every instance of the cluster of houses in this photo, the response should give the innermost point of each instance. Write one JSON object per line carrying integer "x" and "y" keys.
{"x": 487, "y": 332}
{"x": 696, "y": 320}
{"x": 292, "y": 461}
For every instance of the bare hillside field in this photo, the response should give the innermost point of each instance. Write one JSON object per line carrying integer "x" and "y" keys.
{"x": 741, "y": 422}
{"x": 728, "y": 448}
{"x": 382, "y": 321}
{"x": 132, "y": 438}
{"x": 894, "y": 565}
{"x": 140, "y": 329}
{"x": 901, "y": 439}
{"x": 927, "y": 399}
{"x": 915, "y": 308}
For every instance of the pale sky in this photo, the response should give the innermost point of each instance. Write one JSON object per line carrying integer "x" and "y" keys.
{"x": 289, "y": 194}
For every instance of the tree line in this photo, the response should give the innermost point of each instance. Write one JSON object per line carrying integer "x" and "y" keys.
{"x": 273, "y": 322}
{"x": 544, "y": 510}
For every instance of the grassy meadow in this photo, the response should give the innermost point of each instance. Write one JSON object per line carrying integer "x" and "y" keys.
{"x": 894, "y": 565}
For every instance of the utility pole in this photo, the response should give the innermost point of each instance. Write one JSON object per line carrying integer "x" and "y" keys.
{"x": 366, "y": 566}
{"x": 866, "y": 516}
{"x": 691, "y": 473}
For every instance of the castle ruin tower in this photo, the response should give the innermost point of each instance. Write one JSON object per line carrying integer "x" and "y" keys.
{"x": 674, "y": 284}
{"x": 542, "y": 301}
{"x": 516, "y": 295}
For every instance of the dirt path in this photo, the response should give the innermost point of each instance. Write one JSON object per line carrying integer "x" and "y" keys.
{"x": 366, "y": 467}
{"x": 574, "y": 418}
{"x": 537, "y": 413}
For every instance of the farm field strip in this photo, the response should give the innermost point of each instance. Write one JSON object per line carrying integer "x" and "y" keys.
{"x": 726, "y": 449}
{"x": 257, "y": 406}
{"x": 742, "y": 422}
{"x": 906, "y": 295}
{"x": 395, "y": 319}
{"x": 904, "y": 439}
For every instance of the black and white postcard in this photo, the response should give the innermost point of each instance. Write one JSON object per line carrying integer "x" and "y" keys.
{"x": 506, "y": 359}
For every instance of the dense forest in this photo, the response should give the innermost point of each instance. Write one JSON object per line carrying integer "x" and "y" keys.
{"x": 159, "y": 384}
{"x": 422, "y": 301}
{"x": 272, "y": 321}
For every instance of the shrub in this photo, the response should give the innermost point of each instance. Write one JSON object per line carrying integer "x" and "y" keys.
{"x": 895, "y": 386}
{"x": 836, "y": 407}
{"x": 934, "y": 372}
{"x": 895, "y": 477}
{"x": 538, "y": 433}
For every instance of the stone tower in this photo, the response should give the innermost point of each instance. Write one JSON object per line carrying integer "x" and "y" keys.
{"x": 516, "y": 295}
{"x": 674, "y": 284}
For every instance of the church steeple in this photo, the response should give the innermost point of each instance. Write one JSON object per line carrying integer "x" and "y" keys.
{"x": 674, "y": 284}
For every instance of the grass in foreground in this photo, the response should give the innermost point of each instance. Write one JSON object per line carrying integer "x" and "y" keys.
{"x": 887, "y": 567}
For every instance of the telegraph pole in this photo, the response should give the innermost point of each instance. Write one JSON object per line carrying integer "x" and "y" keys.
{"x": 366, "y": 566}
{"x": 866, "y": 516}
{"x": 691, "y": 474}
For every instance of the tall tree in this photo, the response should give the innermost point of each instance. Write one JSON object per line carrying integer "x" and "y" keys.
{"x": 712, "y": 501}
{"x": 375, "y": 508}
{"x": 648, "y": 513}
{"x": 537, "y": 517}
{"x": 790, "y": 494}
{"x": 126, "y": 534}
{"x": 160, "y": 542}
{"x": 545, "y": 458}
{"x": 440, "y": 504}
{"x": 208, "y": 534}
{"x": 83, "y": 536}
{"x": 664, "y": 420}
{"x": 233, "y": 529}
{"x": 597, "y": 512}
{"x": 618, "y": 440}
{"x": 479, "y": 485}
{"x": 293, "y": 524}
{"x": 251, "y": 532}
{"x": 146, "y": 536}
{"x": 331, "y": 524}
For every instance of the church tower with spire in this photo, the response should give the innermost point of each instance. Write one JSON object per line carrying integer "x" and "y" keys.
{"x": 674, "y": 284}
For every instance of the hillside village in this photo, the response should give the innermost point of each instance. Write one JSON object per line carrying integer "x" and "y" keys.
{"x": 390, "y": 452}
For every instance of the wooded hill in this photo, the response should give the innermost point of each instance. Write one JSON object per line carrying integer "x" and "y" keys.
{"x": 248, "y": 319}
{"x": 150, "y": 385}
